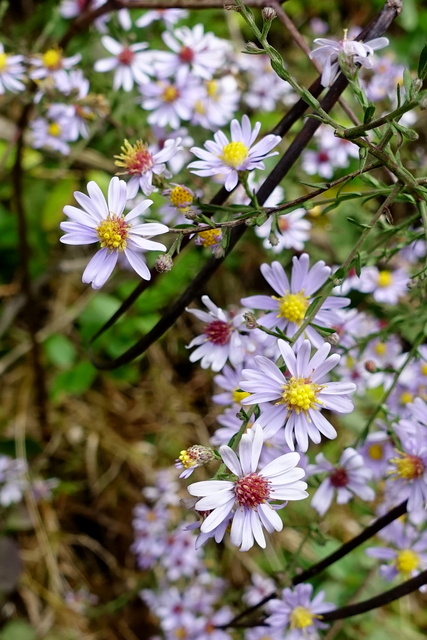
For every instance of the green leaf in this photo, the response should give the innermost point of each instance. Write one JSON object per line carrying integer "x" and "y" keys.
{"x": 358, "y": 265}
{"x": 407, "y": 83}
{"x": 60, "y": 351}
{"x": 18, "y": 630}
{"x": 369, "y": 113}
{"x": 358, "y": 224}
{"x": 74, "y": 381}
{"x": 422, "y": 64}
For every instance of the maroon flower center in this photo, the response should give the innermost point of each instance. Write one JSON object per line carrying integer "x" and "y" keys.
{"x": 252, "y": 490}
{"x": 126, "y": 56}
{"x": 186, "y": 54}
{"x": 82, "y": 4}
{"x": 218, "y": 332}
{"x": 339, "y": 478}
{"x": 322, "y": 156}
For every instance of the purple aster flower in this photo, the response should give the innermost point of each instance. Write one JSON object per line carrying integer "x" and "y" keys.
{"x": 294, "y": 399}
{"x": 347, "y": 479}
{"x": 287, "y": 310}
{"x": 376, "y": 452}
{"x": 130, "y": 62}
{"x": 248, "y": 496}
{"x": 298, "y": 614}
{"x": 12, "y": 72}
{"x": 407, "y": 554}
{"x": 328, "y": 52}
{"x": 408, "y": 476}
{"x": 386, "y": 286}
{"x": 103, "y": 221}
{"x": 193, "y": 457}
{"x": 221, "y": 339}
{"x": 226, "y": 158}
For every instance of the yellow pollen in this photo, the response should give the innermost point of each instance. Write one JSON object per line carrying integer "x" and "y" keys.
{"x": 170, "y": 94}
{"x": 212, "y": 88}
{"x": 135, "y": 158}
{"x": 408, "y": 467}
{"x": 299, "y": 394}
{"x": 52, "y": 59}
{"x": 424, "y": 369}
{"x": 385, "y": 279}
{"x": 181, "y": 197}
{"x": 301, "y": 618}
{"x": 54, "y": 129}
{"x": 234, "y": 154}
{"x": 407, "y": 561}
{"x": 3, "y": 61}
{"x": 406, "y": 397}
{"x": 199, "y": 107}
{"x": 209, "y": 238}
{"x": 380, "y": 348}
{"x": 292, "y": 307}
{"x": 238, "y": 396}
{"x": 376, "y": 452}
{"x": 113, "y": 233}
{"x": 186, "y": 460}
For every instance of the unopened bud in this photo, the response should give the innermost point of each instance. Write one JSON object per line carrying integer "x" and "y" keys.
{"x": 218, "y": 251}
{"x": 333, "y": 339}
{"x": 250, "y": 320}
{"x": 268, "y": 13}
{"x": 251, "y": 47}
{"x": 191, "y": 214}
{"x": 273, "y": 239}
{"x": 163, "y": 263}
{"x": 417, "y": 84}
{"x": 370, "y": 366}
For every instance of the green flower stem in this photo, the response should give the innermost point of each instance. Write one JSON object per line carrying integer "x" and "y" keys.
{"x": 234, "y": 441}
{"x": 332, "y": 283}
{"x": 422, "y": 208}
{"x": 279, "y": 67}
{"x": 355, "y": 132}
{"x": 419, "y": 340}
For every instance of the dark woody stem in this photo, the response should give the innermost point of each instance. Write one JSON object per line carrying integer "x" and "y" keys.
{"x": 345, "y": 549}
{"x": 376, "y": 28}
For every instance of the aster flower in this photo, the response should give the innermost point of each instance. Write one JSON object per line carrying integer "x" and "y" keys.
{"x": 12, "y": 72}
{"x": 171, "y": 100}
{"x": 347, "y": 479}
{"x": 13, "y": 480}
{"x": 249, "y": 496}
{"x": 218, "y": 104}
{"x": 193, "y": 457}
{"x": 406, "y": 554}
{"x": 329, "y": 51}
{"x": 287, "y": 311}
{"x": 168, "y": 16}
{"x": 294, "y": 399}
{"x": 54, "y": 134}
{"x": 51, "y": 63}
{"x": 408, "y": 475}
{"x": 103, "y": 221}
{"x": 298, "y": 614}
{"x": 228, "y": 158}
{"x": 192, "y": 50}
{"x": 386, "y": 286}
{"x": 221, "y": 339}
{"x": 376, "y": 452}
{"x": 293, "y": 231}
{"x": 130, "y": 63}
{"x": 180, "y": 207}
{"x": 142, "y": 163}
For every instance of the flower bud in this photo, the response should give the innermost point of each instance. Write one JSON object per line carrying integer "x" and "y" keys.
{"x": 268, "y": 13}
{"x": 333, "y": 339}
{"x": 370, "y": 366}
{"x": 163, "y": 263}
{"x": 250, "y": 320}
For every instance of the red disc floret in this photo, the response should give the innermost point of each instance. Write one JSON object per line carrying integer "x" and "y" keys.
{"x": 252, "y": 490}
{"x": 218, "y": 332}
{"x": 126, "y": 56}
{"x": 339, "y": 478}
{"x": 186, "y": 54}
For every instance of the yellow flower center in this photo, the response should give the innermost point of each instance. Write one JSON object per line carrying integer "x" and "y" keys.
{"x": 380, "y": 348}
{"x": 234, "y": 153}
{"x": 238, "y": 396}
{"x": 181, "y": 197}
{"x": 54, "y": 129}
{"x": 293, "y": 306}
{"x": 424, "y": 369}
{"x": 136, "y": 158}
{"x": 52, "y": 59}
{"x": 210, "y": 237}
{"x": 408, "y": 467}
{"x": 406, "y": 397}
{"x": 375, "y": 451}
{"x": 113, "y": 233}
{"x": 199, "y": 107}
{"x": 407, "y": 561}
{"x": 299, "y": 394}
{"x": 212, "y": 88}
{"x": 301, "y": 618}
{"x": 385, "y": 279}
{"x": 3, "y": 61}
{"x": 187, "y": 460}
{"x": 170, "y": 94}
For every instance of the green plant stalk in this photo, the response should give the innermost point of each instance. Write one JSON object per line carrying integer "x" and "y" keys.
{"x": 355, "y": 132}
{"x": 387, "y": 202}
